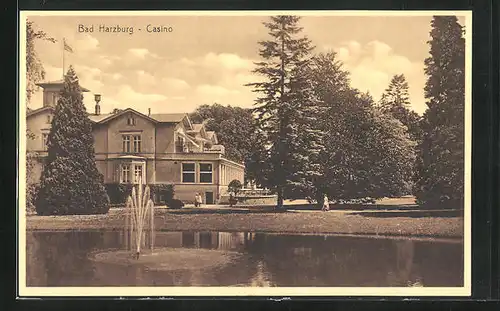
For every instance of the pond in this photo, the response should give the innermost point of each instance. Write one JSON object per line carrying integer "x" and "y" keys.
{"x": 66, "y": 259}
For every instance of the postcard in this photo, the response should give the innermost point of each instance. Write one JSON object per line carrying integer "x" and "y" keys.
{"x": 245, "y": 153}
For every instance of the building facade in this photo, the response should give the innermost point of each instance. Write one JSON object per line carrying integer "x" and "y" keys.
{"x": 159, "y": 148}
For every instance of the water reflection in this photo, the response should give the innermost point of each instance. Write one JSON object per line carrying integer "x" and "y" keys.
{"x": 61, "y": 259}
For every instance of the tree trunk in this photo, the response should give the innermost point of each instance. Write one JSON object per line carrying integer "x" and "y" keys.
{"x": 320, "y": 199}
{"x": 279, "y": 204}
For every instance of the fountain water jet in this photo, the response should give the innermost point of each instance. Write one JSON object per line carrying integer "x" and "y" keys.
{"x": 139, "y": 219}
{"x": 140, "y": 212}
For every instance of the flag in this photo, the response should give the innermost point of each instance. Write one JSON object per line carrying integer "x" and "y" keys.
{"x": 67, "y": 47}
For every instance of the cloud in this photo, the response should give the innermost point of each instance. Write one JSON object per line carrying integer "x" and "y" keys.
{"x": 53, "y": 73}
{"x": 373, "y": 65}
{"x": 142, "y": 53}
{"x": 127, "y": 97}
{"x": 187, "y": 62}
{"x": 83, "y": 43}
{"x": 82, "y": 70}
{"x": 128, "y": 92}
{"x": 116, "y": 76}
{"x": 221, "y": 61}
{"x": 228, "y": 61}
{"x": 107, "y": 60}
{"x": 175, "y": 84}
{"x": 145, "y": 77}
{"x": 214, "y": 90}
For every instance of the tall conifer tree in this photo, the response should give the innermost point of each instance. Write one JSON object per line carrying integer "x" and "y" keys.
{"x": 70, "y": 182}
{"x": 440, "y": 181}
{"x": 396, "y": 101}
{"x": 286, "y": 108}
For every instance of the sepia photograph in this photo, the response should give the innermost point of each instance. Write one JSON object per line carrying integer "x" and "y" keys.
{"x": 244, "y": 153}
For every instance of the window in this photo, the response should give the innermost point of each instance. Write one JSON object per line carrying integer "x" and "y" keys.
{"x": 125, "y": 174}
{"x": 188, "y": 172}
{"x": 137, "y": 173}
{"x": 55, "y": 98}
{"x": 131, "y": 120}
{"x": 137, "y": 143}
{"x": 45, "y": 139}
{"x": 131, "y": 143}
{"x": 126, "y": 143}
{"x": 179, "y": 144}
{"x": 205, "y": 173}
{"x": 49, "y": 119}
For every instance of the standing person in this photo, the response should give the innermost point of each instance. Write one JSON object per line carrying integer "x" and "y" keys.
{"x": 231, "y": 199}
{"x": 326, "y": 204}
{"x": 197, "y": 200}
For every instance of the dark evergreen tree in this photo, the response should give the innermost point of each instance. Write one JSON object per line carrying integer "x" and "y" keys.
{"x": 396, "y": 101}
{"x": 70, "y": 182}
{"x": 440, "y": 182}
{"x": 286, "y": 109}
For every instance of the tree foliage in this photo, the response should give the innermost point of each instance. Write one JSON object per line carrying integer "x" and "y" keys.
{"x": 34, "y": 67}
{"x": 366, "y": 151}
{"x": 70, "y": 182}
{"x": 286, "y": 109}
{"x": 396, "y": 101}
{"x": 233, "y": 126}
{"x": 235, "y": 186}
{"x": 34, "y": 74}
{"x": 440, "y": 181}
{"x": 235, "y": 129}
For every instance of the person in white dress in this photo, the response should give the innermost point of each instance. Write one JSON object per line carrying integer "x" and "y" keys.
{"x": 326, "y": 204}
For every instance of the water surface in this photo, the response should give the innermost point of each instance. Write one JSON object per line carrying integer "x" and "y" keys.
{"x": 62, "y": 259}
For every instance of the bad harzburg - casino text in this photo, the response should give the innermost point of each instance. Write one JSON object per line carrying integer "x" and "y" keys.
{"x": 123, "y": 29}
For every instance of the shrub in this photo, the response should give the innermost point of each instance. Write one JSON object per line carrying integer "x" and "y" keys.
{"x": 31, "y": 192}
{"x": 235, "y": 186}
{"x": 118, "y": 193}
{"x": 160, "y": 193}
{"x": 175, "y": 204}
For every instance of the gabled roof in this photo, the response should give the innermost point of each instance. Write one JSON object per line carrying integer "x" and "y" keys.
{"x": 212, "y": 136}
{"x": 36, "y": 111}
{"x": 58, "y": 83}
{"x": 168, "y": 117}
{"x": 100, "y": 117}
{"x": 103, "y": 118}
{"x": 197, "y": 127}
{"x": 173, "y": 118}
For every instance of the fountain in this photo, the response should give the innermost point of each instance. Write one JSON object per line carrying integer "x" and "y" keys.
{"x": 139, "y": 222}
{"x": 139, "y": 209}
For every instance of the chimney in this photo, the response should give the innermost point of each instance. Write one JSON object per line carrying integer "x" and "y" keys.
{"x": 149, "y": 112}
{"x": 97, "y": 98}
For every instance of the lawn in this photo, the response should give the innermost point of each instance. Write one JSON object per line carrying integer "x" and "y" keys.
{"x": 340, "y": 222}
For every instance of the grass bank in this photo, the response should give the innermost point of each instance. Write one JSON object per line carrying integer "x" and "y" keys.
{"x": 334, "y": 222}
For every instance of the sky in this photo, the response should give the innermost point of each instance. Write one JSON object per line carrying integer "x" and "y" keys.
{"x": 208, "y": 59}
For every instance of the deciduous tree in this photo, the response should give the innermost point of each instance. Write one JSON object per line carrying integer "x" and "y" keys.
{"x": 366, "y": 151}
{"x": 34, "y": 67}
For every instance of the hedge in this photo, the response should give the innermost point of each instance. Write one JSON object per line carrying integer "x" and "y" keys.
{"x": 118, "y": 193}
